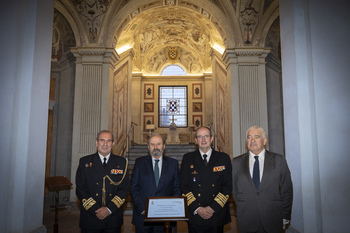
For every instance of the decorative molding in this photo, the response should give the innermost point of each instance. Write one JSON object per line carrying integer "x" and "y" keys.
{"x": 249, "y": 19}
{"x": 148, "y": 107}
{"x": 197, "y": 106}
{"x": 135, "y": 13}
{"x": 231, "y": 56}
{"x": 147, "y": 120}
{"x": 149, "y": 91}
{"x": 196, "y": 91}
{"x": 170, "y": 2}
{"x": 197, "y": 121}
{"x": 92, "y": 13}
{"x": 205, "y": 14}
{"x": 102, "y": 55}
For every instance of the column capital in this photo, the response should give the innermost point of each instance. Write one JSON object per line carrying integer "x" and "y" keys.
{"x": 95, "y": 55}
{"x": 245, "y": 55}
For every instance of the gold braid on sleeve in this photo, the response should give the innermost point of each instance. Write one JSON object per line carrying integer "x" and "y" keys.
{"x": 221, "y": 199}
{"x": 190, "y": 198}
{"x": 117, "y": 201}
{"x": 113, "y": 183}
{"x": 88, "y": 203}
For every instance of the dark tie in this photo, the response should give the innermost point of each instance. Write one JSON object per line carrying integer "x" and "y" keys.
{"x": 205, "y": 159}
{"x": 156, "y": 171}
{"x": 104, "y": 162}
{"x": 256, "y": 172}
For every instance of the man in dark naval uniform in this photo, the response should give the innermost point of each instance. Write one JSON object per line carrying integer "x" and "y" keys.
{"x": 206, "y": 181}
{"x": 102, "y": 181}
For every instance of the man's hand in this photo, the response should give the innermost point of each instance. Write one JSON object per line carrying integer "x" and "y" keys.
{"x": 285, "y": 223}
{"x": 102, "y": 213}
{"x": 205, "y": 212}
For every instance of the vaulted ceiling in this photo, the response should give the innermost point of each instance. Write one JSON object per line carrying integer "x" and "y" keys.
{"x": 171, "y": 35}
{"x": 163, "y": 32}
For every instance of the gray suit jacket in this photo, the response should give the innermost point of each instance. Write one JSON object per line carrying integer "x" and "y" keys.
{"x": 271, "y": 203}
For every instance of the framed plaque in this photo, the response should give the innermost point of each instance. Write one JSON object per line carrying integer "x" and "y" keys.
{"x": 164, "y": 209}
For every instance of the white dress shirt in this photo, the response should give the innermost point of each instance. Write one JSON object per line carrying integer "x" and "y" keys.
{"x": 208, "y": 154}
{"x": 107, "y": 157}
{"x": 261, "y": 158}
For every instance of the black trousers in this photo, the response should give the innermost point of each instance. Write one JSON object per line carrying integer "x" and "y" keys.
{"x": 113, "y": 230}
{"x": 192, "y": 228}
{"x": 156, "y": 228}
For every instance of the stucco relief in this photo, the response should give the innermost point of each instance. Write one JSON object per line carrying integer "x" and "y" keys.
{"x": 92, "y": 13}
{"x": 190, "y": 62}
{"x": 159, "y": 59}
{"x": 62, "y": 36}
{"x": 156, "y": 62}
{"x": 171, "y": 29}
{"x": 170, "y": 2}
{"x": 248, "y": 19}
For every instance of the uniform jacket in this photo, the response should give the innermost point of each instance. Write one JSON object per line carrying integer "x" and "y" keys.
{"x": 91, "y": 177}
{"x": 271, "y": 203}
{"x": 143, "y": 184}
{"x": 208, "y": 185}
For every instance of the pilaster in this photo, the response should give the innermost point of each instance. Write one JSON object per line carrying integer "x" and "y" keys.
{"x": 136, "y": 98}
{"x": 93, "y": 97}
{"x": 246, "y": 69}
{"x": 208, "y": 103}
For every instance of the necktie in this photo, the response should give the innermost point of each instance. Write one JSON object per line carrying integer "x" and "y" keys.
{"x": 256, "y": 172}
{"x": 156, "y": 171}
{"x": 104, "y": 162}
{"x": 205, "y": 159}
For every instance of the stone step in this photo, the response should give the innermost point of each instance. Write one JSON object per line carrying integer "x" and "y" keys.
{"x": 168, "y": 148}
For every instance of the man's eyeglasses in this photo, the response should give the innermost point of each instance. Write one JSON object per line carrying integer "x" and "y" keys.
{"x": 203, "y": 136}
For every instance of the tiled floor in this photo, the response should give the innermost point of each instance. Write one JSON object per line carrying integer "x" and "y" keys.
{"x": 69, "y": 223}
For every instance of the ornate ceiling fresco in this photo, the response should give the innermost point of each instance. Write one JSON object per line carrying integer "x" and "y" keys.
{"x": 163, "y": 32}
{"x": 170, "y": 35}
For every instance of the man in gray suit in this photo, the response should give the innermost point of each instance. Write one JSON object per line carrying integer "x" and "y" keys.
{"x": 262, "y": 187}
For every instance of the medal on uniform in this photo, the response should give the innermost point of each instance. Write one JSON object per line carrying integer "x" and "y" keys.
{"x": 194, "y": 179}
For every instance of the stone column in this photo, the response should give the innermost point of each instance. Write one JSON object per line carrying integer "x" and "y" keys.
{"x": 24, "y": 101}
{"x": 246, "y": 68}
{"x": 92, "y": 100}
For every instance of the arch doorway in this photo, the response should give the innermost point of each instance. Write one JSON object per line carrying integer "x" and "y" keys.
{"x": 120, "y": 49}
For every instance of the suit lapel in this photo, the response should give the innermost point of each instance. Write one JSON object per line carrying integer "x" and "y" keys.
{"x": 149, "y": 167}
{"x": 213, "y": 158}
{"x": 163, "y": 173}
{"x": 268, "y": 168}
{"x": 198, "y": 160}
{"x": 98, "y": 167}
